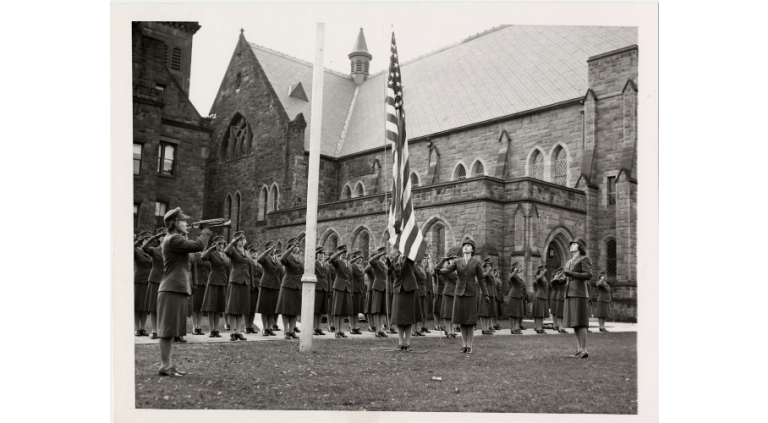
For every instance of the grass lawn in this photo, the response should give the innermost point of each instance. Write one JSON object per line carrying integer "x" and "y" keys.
{"x": 510, "y": 374}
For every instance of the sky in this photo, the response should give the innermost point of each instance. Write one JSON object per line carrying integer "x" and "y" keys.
{"x": 291, "y": 28}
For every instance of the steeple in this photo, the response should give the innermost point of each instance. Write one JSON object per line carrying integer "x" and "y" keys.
{"x": 360, "y": 59}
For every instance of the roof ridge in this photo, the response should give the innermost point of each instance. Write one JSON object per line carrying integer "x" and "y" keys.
{"x": 296, "y": 59}
{"x": 448, "y": 46}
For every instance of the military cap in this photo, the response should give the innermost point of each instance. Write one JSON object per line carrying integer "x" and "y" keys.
{"x": 515, "y": 264}
{"x": 237, "y": 234}
{"x": 469, "y": 241}
{"x": 218, "y": 238}
{"x": 253, "y": 247}
{"x": 341, "y": 248}
{"x": 291, "y": 242}
{"x": 319, "y": 250}
{"x": 488, "y": 260}
{"x": 278, "y": 251}
{"x": 145, "y": 234}
{"x": 269, "y": 245}
{"x": 173, "y": 215}
{"x": 579, "y": 241}
{"x": 381, "y": 250}
{"x": 539, "y": 267}
{"x": 159, "y": 231}
{"x": 452, "y": 255}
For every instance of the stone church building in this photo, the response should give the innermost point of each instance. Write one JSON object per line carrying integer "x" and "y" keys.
{"x": 521, "y": 137}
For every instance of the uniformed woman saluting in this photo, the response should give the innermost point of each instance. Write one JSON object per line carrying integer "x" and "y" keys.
{"x": 289, "y": 299}
{"x": 321, "y": 289}
{"x": 201, "y": 270}
{"x": 342, "y": 290}
{"x": 603, "y": 301}
{"x": 269, "y": 287}
{"x": 541, "y": 286}
{"x": 405, "y": 302}
{"x": 378, "y": 305}
{"x": 446, "y": 305}
{"x": 253, "y": 297}
{"x": 142, "y": 266}
{"x": 151, "y": 247}
{"x": 578, "y": 272}
{"x": 470, "y": 272}
{"x": 214, "y": 300}
{"x": 515, "y": 306}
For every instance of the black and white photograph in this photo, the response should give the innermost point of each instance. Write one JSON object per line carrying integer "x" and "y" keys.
{"x": 390, "y": 207}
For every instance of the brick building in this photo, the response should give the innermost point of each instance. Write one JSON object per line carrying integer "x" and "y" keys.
{"x": 522, "y": 137}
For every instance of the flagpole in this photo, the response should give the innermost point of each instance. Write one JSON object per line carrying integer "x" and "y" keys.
{"x": 308, "y": 280}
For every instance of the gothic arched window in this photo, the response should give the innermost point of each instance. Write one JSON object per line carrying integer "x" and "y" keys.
{"x": 414, "y": 180}
{"x": 275, "y": 198}
{"x": 610, "y": 258}
{"x": 237, "y": 139}
{"x": 560, "y": 168}
{"x": 537, "y": 165}
{"x": 346, "y": 193}
{"x": 359, "y": 190}
{"x": 263, "y": 204}
{"x": 478, "y": 170}
{"x": 460, "y": 173}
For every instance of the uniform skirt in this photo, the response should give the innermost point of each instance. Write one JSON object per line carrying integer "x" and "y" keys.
{"x": 267, "y": 303}
{"x": 342, "y": 303}
{"x": 446, "y": 307}
{"x": 430, "y": 304}
{"x": 253, "y": 300}
{"x": 171, "y": 314}
{"x": 378, "y": 302}
{"x": 559, "y": 307}
{"x": 358, "y": 303}
{"x": 540, "y": 309}
{"x": 515, "y": 307}
{"x": 150, "y": 302}
{"x": 575, "y": 312}
{"x": 321, "y": 302}
{"x": 437, "y": 305}
{"x": 390, "y": 300}
{"x": 368, "y": 299}
{"x": 464, "y": 310}
{"x": 140, "y": 297}
{"x": 406, "y": 308}
{"x": 483, "y": 308}
{"x": 603, "y": 310}
{"x": 289, "y": 302}
{"x": 238, "y": 299}
{"x": 215, "y": 299}
{"x": 499, "y": 307}
{"x": 197, "y": 298}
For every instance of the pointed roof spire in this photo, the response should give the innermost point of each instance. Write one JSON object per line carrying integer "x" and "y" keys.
{"x": 360, "y": 48}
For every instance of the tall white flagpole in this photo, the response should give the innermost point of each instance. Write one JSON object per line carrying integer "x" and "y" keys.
{"x": 308, "y": 280}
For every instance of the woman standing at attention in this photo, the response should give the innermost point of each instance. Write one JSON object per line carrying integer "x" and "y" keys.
{"x": 470, "y": 272}
{"x": 515, "y": 306}
{"x": 540, "y": 308}
{"x": 214, "y": 300}
{"x": 578, "y": 272}
{"x": 142, "y": 265}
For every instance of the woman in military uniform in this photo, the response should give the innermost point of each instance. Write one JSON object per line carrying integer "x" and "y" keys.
{"x": 151, "y": 247}
{"x": 201, "y": 269}
{"x": 253, "y": 297}
{"x": 214, "y": 300}
{"x": 342, "y": 290}
{"x": 603, "y": 310}
{"x": 483, "y": 308}
{"x": 558, "y": 285}
{"x": 289, "y": 299}
{"x": 421, "y": 290}
{"x": 358, "y": 292}
{"x": 378, "y": 305}
{"x": 541, "y": 286}
{"x": 142, "y": 265}
{"x": 238, "y": 302}
{"x": 406, "y": 311}
{"x": 515, "y": 306}
{"x": 578, "y": 272}
{"x": 269, "y": 289}
{"x": 470, "y": 272}
{"x": 446, "y": 306}
{"x": 329, "y": 299}
{"x": 321, "y": 289}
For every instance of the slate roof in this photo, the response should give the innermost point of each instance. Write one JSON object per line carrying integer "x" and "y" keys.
{"x": 505, "y": 70}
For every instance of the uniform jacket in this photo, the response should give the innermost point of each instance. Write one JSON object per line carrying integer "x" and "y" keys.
{"x": 578, "y": 272}
{"x": 604, "y": 292}
{"x": 470, "y": 274}
{"x": 405, "y": 279}
{"x": 322, "y": 274}
{"x": 541, "y": 286}
{"x": 202, "y": 269}
{"x": 516, "y": 287}
{"x": 270, "y": 277}
{"x": 343, "y": 281}
{"x": 421, "y": 280}
{"x": 450, "y": 279}
{"x": 176, "y": 254}
{"x": 256, "y": 271}
{"x": 358, "y": 278}
{"x": 490, "y": 284}
{"x": 219, "y": 273}
{"x": 380, "y": 275}
{"x": 440, "y": 283}
{"x": 331, "y": 274}
{"x": 156, "y": 274}
{"x": 142, "y": 266}
{"x": 294, "y": 269}
{"x": 558, "y": 285}
{"x": 240, "y": 272}
{"x": 370, "y": 276}
{"x": 430, "y": 279}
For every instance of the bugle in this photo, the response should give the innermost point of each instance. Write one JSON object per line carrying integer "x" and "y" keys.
{"x": 213, "y": 223}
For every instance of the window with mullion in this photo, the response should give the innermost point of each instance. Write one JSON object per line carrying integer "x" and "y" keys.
{"x": 137, "y": 158}
{"x": 161, "y": 208}
{"x": 165, "y": 159}
{"x": 611, "y": 190}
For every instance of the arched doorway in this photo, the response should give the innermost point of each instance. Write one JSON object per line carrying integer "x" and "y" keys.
{"x": 556, "y": 255}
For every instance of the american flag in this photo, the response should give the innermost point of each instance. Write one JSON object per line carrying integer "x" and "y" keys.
{"x": 404, "y": 233}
